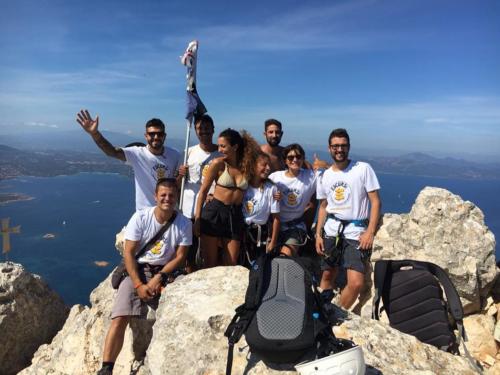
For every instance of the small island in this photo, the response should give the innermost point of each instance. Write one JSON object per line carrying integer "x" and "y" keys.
{"x": 101, "y": 263}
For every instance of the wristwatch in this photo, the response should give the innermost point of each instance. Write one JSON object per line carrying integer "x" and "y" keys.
{"x": 164, "y": 278}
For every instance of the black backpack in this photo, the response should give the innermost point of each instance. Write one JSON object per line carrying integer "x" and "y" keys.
{"x": 282, "y": 317}
{"x": 413, "y": 300}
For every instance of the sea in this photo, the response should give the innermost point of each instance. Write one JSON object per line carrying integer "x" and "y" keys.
{"x": 82, "y": 213}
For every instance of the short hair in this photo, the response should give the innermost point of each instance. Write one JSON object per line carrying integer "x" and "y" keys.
{"x": 270, "y": 122}
{"x": 205, "y": 119}
{"x": 294, "y": 147}
{"x": 156, "y": 123}
{"x": 339, "y": 133}
{"x": 167, "y": 182}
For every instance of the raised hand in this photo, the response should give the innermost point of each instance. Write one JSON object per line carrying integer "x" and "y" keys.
{"x": 86, "y": 121}
{"x": 318, "y": 163}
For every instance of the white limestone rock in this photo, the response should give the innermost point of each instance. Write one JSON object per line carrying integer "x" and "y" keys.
{"x": 30, "y": 315}
{"x": 77, "y": 348}
{"x": 188, "y": 336}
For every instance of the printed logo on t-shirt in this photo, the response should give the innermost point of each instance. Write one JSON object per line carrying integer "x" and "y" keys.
{"x": 250, "y": 206}
{"x": 292, "y": 197}
{"x": 341, "y": 192}
{"x": 156, "y": 249}
{"x": 204, "y": 170}
{"x": 160, "y": 171}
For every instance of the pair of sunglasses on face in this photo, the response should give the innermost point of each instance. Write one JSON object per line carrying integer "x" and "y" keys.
{"x": 291, "y": 157}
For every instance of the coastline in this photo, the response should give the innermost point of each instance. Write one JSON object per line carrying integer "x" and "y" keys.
{"x": 7, "y": 198}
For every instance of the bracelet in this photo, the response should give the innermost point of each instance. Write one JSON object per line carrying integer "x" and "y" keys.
{"x": 138, "y": 285}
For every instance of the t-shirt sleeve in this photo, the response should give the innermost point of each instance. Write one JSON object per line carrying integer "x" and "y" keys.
{"x": 320, "y": 192}
{"x": 130, "y": 155}
{"x": 133, "y": 230}
{"x": 275, "y": 205}
{"x": 371, "y": 181}
{"x": 186, "y": 235}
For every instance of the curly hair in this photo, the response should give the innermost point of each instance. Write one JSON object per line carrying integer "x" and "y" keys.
{"x": 246, "y": 154}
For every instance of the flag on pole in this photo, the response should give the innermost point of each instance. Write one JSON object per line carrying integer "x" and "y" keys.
{"x": 194, "y": 105}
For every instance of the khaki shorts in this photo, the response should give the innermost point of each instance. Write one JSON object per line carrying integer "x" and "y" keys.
{"x": 128, "y": 303}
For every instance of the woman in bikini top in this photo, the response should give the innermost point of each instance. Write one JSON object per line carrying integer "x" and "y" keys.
{"x": 230, "y": 173}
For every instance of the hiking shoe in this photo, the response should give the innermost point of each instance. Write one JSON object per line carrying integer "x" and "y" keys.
{"x": 105, "y": 371}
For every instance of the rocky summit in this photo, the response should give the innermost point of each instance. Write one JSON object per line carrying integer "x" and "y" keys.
{"x": 186, "y": 334}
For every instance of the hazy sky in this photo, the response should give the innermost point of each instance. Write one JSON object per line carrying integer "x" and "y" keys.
{"x": 400, "y": 75}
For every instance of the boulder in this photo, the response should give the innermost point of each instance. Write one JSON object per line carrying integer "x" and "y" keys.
{"x": 443, "y": 229}
{"x": 188, "y": 336}
{"x": 77, "y": 348}
{"x": 30, "y": 315}
{"x": 480, "y": 329}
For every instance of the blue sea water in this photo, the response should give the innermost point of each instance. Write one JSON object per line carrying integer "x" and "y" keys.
{"x": 85, "y": 212}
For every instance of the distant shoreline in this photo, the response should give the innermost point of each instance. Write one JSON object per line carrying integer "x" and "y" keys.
{"x": 6, "y": 198}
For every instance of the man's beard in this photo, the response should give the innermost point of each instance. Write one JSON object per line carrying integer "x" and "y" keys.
{"x": 158, "y": 147}
{"x": 273, "y": 142}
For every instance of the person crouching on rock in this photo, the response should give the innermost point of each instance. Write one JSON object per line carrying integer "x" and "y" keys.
{"x": 163, "y": 236}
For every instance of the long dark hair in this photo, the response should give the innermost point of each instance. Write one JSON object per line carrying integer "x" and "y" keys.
{"x": 246, "y": 153}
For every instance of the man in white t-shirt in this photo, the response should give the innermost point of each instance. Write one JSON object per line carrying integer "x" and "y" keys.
{"x": 347, "y": 218}
{"x": 149, "y": 272}
{"x": 149, "y": 163}
{"x": 199, "y": 158}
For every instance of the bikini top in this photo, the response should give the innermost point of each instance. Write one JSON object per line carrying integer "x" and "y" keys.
{"x": 227, "y": 181}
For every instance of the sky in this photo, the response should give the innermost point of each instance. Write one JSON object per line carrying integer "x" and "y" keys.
{"x": 401, "y": 75}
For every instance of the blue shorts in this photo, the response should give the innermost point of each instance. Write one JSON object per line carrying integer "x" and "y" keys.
{"x": 345, "y": 254}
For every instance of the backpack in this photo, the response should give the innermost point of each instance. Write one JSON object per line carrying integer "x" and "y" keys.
{"x": 282, "y": 317}
{"x": 413, "y": 300}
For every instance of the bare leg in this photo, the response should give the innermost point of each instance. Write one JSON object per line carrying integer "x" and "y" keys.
{"x": 114, "y": 338}
{"x": 328, "y": 278}
{"x": 290, "y": 250}
{"x": 350, "y": 293}
{"x": 231, "y": 252}
{"x": 209, "y": 250}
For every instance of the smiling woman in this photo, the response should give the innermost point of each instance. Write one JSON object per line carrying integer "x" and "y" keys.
{"x": 221, "y": 219}
{"x": 297, "y": 186}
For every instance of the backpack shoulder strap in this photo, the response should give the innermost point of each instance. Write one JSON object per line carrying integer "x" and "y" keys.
{"x": 380, "y": 272}
{"x": 452, "y": 297}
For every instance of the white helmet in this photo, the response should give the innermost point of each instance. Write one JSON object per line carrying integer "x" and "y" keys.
{"x": 347, "y": 362}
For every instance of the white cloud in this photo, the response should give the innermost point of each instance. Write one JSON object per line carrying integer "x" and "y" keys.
{"x": 42, "y": 125}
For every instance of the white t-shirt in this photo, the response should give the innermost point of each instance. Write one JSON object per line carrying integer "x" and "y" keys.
{"x": 143, "y": 226}
{"x": 296, "y": 193}
{"x": 346, "y": 193}
{"x": 259, "y": 203}
{"x": 198, "y": 162}
{"x": 148, "y": 168}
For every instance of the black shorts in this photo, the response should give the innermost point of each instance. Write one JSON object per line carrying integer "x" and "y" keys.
{"x": 222, "y": 220}
{"x": 346, "y": 254}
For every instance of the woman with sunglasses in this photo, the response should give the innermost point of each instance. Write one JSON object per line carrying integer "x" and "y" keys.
{"x": 259, "y": 205}
{"x": 220, "y": 220}
{"x": 297, "y": 186}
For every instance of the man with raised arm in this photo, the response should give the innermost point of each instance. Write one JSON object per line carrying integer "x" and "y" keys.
{"x": 149, "y": 272}
{"x": 347, "y": 218}
{"x": 149, "y": 163}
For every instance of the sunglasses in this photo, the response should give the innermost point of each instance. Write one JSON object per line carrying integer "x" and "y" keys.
{"x": 291, "y": 157}
{"x": 153, "y": 134}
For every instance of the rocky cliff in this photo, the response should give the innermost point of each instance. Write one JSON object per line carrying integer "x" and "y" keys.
{"x": 187, "y": 335}
{"x": 30, "y": 315}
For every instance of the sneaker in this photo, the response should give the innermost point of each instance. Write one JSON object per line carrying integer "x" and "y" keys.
{"x": 105, "y": 371}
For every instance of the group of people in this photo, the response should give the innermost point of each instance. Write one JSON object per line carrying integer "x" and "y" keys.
{"x": 240, "y": 199}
